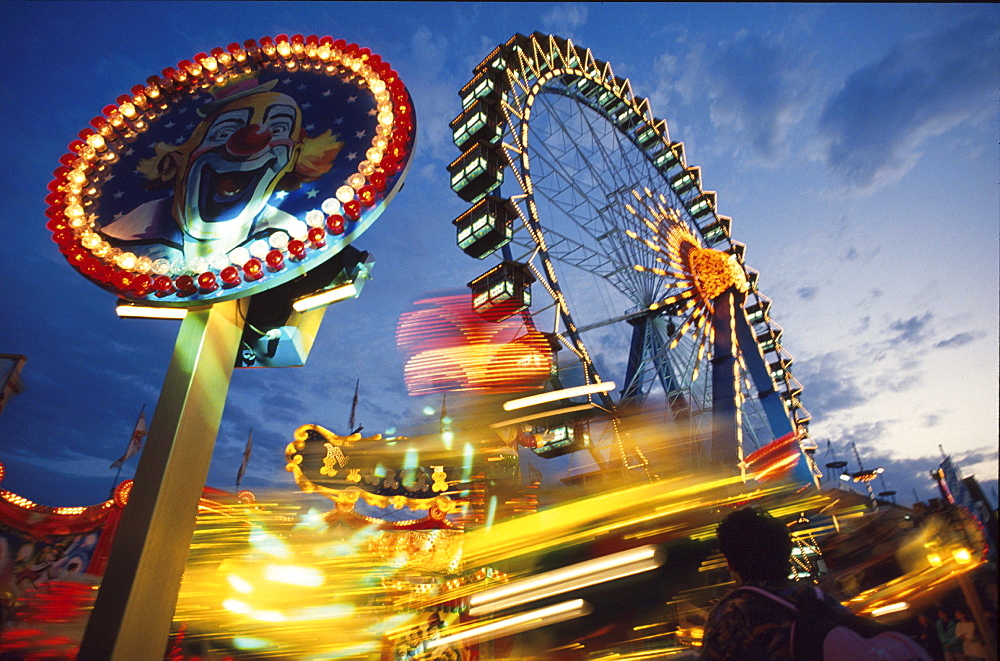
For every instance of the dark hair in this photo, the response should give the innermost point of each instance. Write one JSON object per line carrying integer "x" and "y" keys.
{"x": 756, "y": 545}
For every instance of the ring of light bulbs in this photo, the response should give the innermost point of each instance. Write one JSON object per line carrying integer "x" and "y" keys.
{"x": 76, "y": 187}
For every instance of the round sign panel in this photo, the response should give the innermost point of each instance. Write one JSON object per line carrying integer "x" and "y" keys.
{"x": 233, "y": 172}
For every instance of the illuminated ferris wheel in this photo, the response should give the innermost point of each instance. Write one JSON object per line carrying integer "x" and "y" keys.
{"x": 611, "y": 246}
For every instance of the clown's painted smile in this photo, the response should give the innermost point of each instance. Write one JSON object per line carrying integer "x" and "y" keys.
{"x": 225, "y": 188}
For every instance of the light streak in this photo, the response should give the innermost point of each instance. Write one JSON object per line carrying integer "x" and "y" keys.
{"x": 544, "y": 414}
{"x": 239, "y": 584}
{"x": 962, "y": 556}
{"x": 554, "y": 395}
{"x": 306, "y": 577}
{"x": 559, "y": 581}
{"x": 577, "y": 521}
{"x": 325, "y": 297}
{"x": 131, "y": 311}
{"x": 509, "y": 626}
{"x": 891, "y": 608}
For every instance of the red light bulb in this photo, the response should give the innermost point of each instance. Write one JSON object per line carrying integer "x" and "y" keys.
{"x": 57, "y": 224}
{"x": 230, "y": 276}
{"x": 275, "y": 260}
{"x": 378, "y": 180}
{"x": 253, "y": 269}
{"x": 297, "y": 248}
{"x": 122, "y": 280}
{"x": 185, "y": 284}
{"x": 352, "y": 209}
{"x": 207, "y": 281}
{"x": 335, "y": 224}
{"x": 90, "y": 268}
{"x": 317, "y": 236}
{"x": 75, "y": 255}
{"x": 142, "y": 284}
{"x": 163, "y": 285}
{"x": 367, "y": 195}
{"x": 63, "y": 237}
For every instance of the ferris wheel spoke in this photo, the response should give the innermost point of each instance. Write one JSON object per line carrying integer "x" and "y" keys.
{"x": 609, "y": 261}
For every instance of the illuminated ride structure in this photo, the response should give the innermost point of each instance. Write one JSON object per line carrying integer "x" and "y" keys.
{"x": 610, "y": 245}
{"x": 291, "y": 148}
{"x": 53, "y": 558}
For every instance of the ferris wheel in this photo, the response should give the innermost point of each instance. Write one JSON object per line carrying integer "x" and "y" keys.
{"x": 609, "y": 244}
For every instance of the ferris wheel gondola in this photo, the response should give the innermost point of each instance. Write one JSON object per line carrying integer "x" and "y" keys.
{"x": 602, "y": 191}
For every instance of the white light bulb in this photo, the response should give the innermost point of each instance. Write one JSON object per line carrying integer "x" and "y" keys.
{"x": 331, "y": 206}
{"x": 298, "y": 230}
{"x": 218, "y": 261}
{"x": 259, "y": 248}
{"x": 90, "y": 240}
{"x": 239, "y": 256}
{"x": 125, "y": 260}
{"x": 345, "y": 194}
{"x": 316, "y": 218}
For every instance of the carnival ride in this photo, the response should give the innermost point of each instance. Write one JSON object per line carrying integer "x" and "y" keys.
{"x": 261, "y": 202}
{"x": 644, "y": 308}
{"x": 52, "y": 560}
{"x": 638, "y": 277}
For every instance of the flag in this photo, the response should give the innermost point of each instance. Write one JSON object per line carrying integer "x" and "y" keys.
{"x": 354, "y": 408}
{"x": 10, "y": 377}
{"x": 135, "y": 442}
{"x": 953, "y": 487}
{"x": 246, "y": 458}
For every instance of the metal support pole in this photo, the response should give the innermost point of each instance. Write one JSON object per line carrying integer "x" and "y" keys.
{"x": 986, "y": 632}
{"x": 726, "y": 446}
{"x": 135, "y": 604}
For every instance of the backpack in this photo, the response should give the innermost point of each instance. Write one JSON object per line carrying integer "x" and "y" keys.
{"x": 823, "y": 633}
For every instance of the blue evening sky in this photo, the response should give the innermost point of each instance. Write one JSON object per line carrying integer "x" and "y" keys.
{"x": 854, "y": 145}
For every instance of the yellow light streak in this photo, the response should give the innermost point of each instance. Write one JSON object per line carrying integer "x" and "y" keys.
{"x": 306, "y": 577}
{"x": 325, "y": 297}
{"x": 555, "y": 395}
{"x": 599, "y": 515}
{"x": 544, "y": 414}
{"x": 962, "y": 556}
{"x": 560, "y": 581}
{"x": 131, "y": 311}
{"x": 891, "y": 608}
{"x": 509, "y": 626}
{"x": 239, "y": 584}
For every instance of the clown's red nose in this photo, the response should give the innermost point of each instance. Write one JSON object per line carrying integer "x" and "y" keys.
{"x": 249, "y": 140}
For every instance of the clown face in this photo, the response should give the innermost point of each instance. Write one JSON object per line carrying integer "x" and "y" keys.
{"x": 240, "y": 154}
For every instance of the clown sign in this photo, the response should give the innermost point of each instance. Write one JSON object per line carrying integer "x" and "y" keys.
{"x": 235, "y": 172}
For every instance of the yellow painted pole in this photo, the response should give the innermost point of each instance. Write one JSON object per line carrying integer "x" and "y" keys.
{"x": 135, "y": 604}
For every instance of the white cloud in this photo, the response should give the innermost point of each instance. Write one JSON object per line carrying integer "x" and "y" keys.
{"x": 565, "y": 18}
